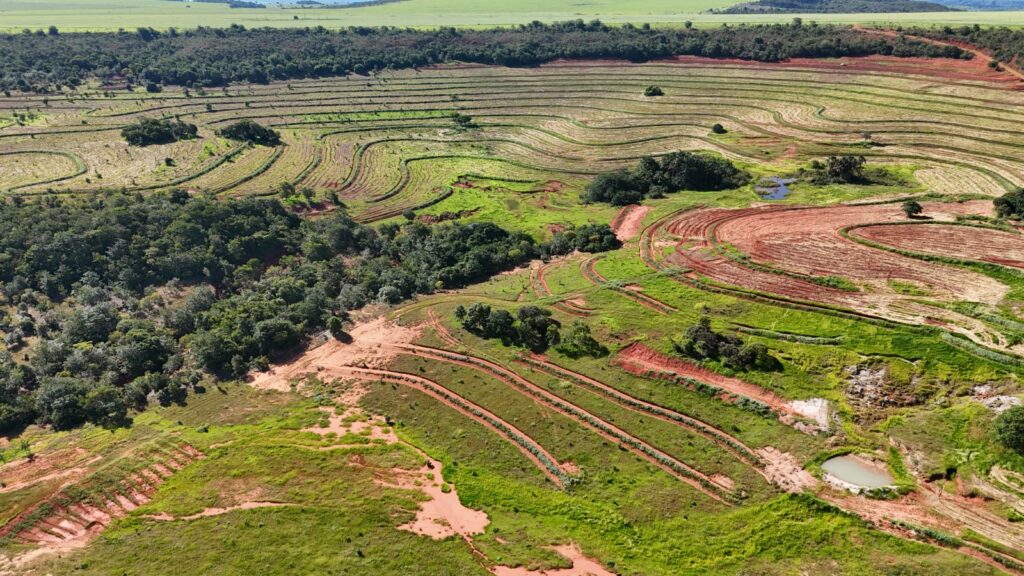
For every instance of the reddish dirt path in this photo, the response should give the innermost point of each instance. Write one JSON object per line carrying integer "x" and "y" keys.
{"x": 628, "y": 223}
{"x": 979, "y": 54}
{"x": 441, "y": 331}
{"x": 589, "y": 270}
{"x": 638, "y": 358}
{"x": 727, "y": 441}
{"x": 581, "y": 565}
{"x": 612, "y": 433}
{"x": 467, "y": 408}
{"x": 541, "y": 288}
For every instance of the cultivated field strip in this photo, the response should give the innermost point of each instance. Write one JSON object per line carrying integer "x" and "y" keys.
{"x": 387, "y": 144}
{"x": 711, "y": 486}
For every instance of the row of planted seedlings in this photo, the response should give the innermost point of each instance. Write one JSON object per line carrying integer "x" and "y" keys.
{"x": 566, "y": 480}
{"x": 677, "y": 467}
{"x": 718, "y": 436}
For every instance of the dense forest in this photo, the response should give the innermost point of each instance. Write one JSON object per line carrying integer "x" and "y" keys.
{"x": 114, "y": 301}
{"x": 835, "y": 7}
{"x": 47, "y": 61}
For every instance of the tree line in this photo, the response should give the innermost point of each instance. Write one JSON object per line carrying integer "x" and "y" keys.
{"x": 46, "y": 62}
{"x": 117, "y": 300}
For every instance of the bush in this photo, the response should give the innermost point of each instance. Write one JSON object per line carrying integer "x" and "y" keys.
{"x": 703, "y": 343}
{"x": 251, "y": 132}
{"x": 149, "y": 131}
{"x": 912, "y": 208}
{"x": 652, "y": 91}
{"x": 718, "y": 129}
{"x": 1009, "y": 428}
{"x": 579, "y": 342}
{"x": 1010, "y": 205}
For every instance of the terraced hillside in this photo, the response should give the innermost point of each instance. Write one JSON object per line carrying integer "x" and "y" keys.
{"x": 414, "y": 441}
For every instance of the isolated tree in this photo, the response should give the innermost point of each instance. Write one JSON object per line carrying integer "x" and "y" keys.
{"x": 846, "y": 168}
{"x": 912, "y": 208}
{"x": 251, "y": 132}
{"x": 652, "y": 91}
{"x": 1010, "y": 429}
{"x": 718, "y": 129}
{"x": 579, "y": 342}
{"x": 1010, "y": 205}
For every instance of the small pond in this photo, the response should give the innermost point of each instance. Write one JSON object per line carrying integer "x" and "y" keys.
{"x": 774, "y": 188}
{"x": 857, "y": 471}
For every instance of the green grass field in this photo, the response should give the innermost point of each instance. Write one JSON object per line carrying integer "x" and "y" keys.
{"x": 110, "y": 15}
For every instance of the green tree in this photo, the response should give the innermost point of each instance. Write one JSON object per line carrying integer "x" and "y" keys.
{"x": 1009, "y": 428}
{"x": 912, "y": 208}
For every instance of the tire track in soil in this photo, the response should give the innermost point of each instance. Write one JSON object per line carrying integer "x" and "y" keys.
{"x": 730, "y": 443}
{"x": 541, "y": 289}
{"x": 542, "y": 459}
{"x": 587, "y": 267}
{"x": 684, "y": 472}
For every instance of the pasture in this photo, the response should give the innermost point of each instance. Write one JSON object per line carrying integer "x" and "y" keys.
{"x": 647, "y": 462}
{"x": 110, "y": 15}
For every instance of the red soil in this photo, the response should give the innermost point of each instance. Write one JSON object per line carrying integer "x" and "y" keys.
{"x": 76, "y": 524}
{"x": 789, "y": 247}
{"x": 946, "y": 68}
{"x": 964, "y": 242}
{"x": 629, "y": 222}
{"x": 638, "y": 358}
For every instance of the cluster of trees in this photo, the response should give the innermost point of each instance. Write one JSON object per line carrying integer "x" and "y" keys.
{"x": 1010, "y": 205}
{"x": 1009, "y": 428}
{"x": 531, "y": 327}
{"x": 845, "y": 169}
{"x": 654, "y": 178}
{"x": 147, "y": 131}
{"x": 590, "y": 238}
{"x": 251, "y": 132}
{"x": 116, "y": 300}
{"x": 1004, "y": 44}
{"x": 216, "y": 57}
{"x": 702, "y": 343}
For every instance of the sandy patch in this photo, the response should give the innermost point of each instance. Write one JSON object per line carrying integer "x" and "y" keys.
{"x": 371, "y": 347}
{"x": 783, "y": 470}
{"x": 581, "y": 565}
{"x": 816, "y": 409}
{"x": 443, "y": 515}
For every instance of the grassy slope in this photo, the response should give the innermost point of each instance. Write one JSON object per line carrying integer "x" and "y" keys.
{"x": 161, "y": 14}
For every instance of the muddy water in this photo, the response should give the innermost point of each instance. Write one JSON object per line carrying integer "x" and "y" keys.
{"x": 778, "y": 191}
{"x": 858, "y": 472}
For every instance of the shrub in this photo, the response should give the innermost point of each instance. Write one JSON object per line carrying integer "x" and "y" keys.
{"x": 652, "y": 91}
{"x": 149, "y": 131}
{"x": 251, "y": 132}
{"x": 1010, "y": 205}
{"x": 1010, "y": 429}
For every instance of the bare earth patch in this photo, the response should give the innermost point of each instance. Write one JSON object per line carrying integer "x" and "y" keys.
{"x": 371, "y": 347}
{"x": 785, "y": 471}
{"x": 581, "y": 565}
{"x": 629, "y": 222}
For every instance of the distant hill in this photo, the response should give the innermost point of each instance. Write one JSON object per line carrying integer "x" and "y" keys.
{"x": 836, "y": 6}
